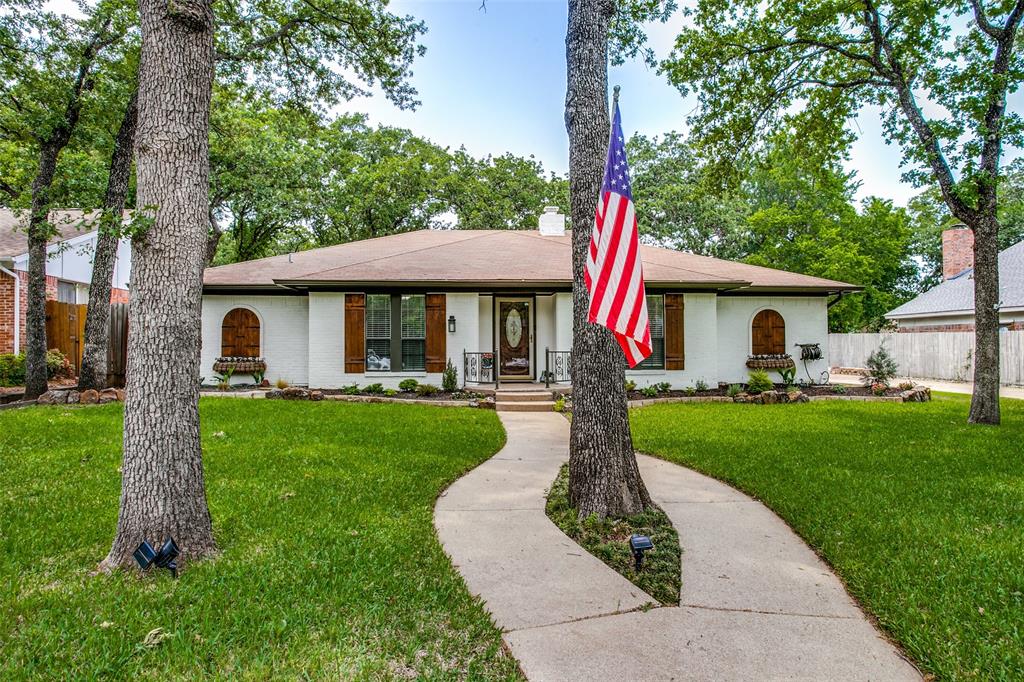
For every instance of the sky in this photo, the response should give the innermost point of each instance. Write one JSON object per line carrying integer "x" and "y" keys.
{"x": 494, "y": 82}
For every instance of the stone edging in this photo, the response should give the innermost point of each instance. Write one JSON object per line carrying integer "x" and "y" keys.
{"x": 681, "y": 399}
{"x": 918, "y": 394}
{"x": 354, "y": 399}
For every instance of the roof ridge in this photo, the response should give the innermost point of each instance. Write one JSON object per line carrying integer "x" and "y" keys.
{"x": 404, "y": 253}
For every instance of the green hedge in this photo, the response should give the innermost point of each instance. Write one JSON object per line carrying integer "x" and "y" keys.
{"x": 12, "y": 367}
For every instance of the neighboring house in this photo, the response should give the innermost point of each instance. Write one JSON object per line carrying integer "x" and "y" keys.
{"x": 401, "y": 306}
{"x": 949, "y": 306}
{"x": 68, "y": 269}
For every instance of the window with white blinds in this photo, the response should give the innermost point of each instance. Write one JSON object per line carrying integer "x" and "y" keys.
{"x": 378, "y": 333}
{"x": 407, "y": 335}
{"x": 656, "y": 315}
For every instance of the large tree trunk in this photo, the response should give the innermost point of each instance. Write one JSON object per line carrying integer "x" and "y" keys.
{"x": 162, "y": 489}
{"x": 985, "y": 397}
{"x": 39, "y": 231}
{"x": 93, "y": 373}
{"x": 603, "y": 474}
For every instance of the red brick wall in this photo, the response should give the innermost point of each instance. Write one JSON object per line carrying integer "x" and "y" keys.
{"x": 118, "y": 295}
{"x": 957, "y": 251}
{"x": 938, "y": 328}
{"x": 6, "y": 313}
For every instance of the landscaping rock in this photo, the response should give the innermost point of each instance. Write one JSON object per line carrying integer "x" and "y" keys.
{"x": 487, "y": 403}
{"x": 275, "y": 394}
{"x": 770, "y": 397}
{"x": 316, "y": 396}
{"x": 107, "y": 395}
{"x": 295, "y": 393}
{"x": 53, "y": 398}
{"x": 741, "y": 398}
{"x": 120, "y": 394}
{"x": 757, "y": 399}
{"x": 799, "y": 397}
{"x": 73, "y": 397}
{"x": 89, "y": 397}
{"x": 918, "y": 394}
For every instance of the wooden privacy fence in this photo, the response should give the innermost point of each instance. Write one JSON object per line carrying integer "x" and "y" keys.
{"x": 65, "y": 331}
{"x": 930, "y": 355}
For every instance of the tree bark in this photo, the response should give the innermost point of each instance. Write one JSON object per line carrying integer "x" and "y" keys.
{"x": 162, "y": 489}
{"x": 985, "y": 396}
{"x": 603, "y": 476}
{"x": 93, "y": 373}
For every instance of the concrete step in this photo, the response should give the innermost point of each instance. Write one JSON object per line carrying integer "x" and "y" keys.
{"x": 524, "y": 406}
{"x": 522, "y": 396}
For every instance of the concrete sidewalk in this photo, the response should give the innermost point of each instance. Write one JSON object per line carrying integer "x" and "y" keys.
{"x": 1005, "y": 390}
{"x": 756, "y": 603}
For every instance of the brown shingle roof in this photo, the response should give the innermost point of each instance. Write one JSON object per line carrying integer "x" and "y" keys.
{"x": 498, "y": 257}
{"x": 14, "y": 239}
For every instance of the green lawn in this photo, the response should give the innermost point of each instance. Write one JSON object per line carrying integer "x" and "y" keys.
{"x": 921, "y": 514}
{"x": 330, "y": 566}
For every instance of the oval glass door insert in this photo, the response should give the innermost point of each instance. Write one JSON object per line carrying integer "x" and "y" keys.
{"x": 514, "y": 328}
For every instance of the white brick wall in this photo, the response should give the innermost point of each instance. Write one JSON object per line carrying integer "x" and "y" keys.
{"x": 700, "y": 359}
{"x": 806, "y": 320}
{"x": 283, "y": 334}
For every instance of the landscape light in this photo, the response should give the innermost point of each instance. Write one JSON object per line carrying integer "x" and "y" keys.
{"x": 640, "y": 544}
{"x": 451, "y": 323}
{"x": 146, "y": 556}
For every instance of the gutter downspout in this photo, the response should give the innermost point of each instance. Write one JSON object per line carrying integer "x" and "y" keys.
{"x": 835, "y": 300}
{"x": 17, "y": 307}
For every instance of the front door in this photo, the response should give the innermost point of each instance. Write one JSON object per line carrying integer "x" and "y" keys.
{"x": 514, "y": 339}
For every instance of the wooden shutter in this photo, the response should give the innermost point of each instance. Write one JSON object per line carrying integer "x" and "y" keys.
{"x": 674, "y": 332}
{"x": 355, "y": 333}
{"x": 437, "y": 333}
{"x": 768, "y": 333}
{"x": 240, "y": 334}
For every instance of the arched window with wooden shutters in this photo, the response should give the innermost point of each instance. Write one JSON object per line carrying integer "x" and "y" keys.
{"x": 768, "y": 333}
{"x": 240, "y": 334}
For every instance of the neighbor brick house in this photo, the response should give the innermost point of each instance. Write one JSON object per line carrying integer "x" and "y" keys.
{"x": 497, "y": 304}
{"x": 949, "y": 306}
{"x": 68, "y": 269}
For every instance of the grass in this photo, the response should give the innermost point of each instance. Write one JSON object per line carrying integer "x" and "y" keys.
{"x": 608, "y": 540}
{"x": 921, "y": 514}
{"x": 330, "y": 565}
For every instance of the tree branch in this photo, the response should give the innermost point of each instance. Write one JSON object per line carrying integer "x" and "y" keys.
{"x": 983, "y": 23}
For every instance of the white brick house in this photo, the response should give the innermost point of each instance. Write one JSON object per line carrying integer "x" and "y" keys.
{"x": 493, "y": 301}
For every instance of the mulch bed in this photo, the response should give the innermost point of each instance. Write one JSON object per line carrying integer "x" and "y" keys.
{"x": 851, "y": 390}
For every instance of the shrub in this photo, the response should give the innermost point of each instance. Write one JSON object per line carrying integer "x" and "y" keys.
{"x": 879, "y": 388}
{"x": 281, "y": 384}
{"x": 839, "y": 389}
{"x": 663, "y": 387}
{"x": 426, "y": 389}
{"x": 351, "y": 390}
{"x": 759, "y": 381}
{"x": 408, "y": 385}
{"x": 690, "y": 391}
{"x": 12, "y": 369}
{"x": 734, "y": 390}
{"x": 882, "y": 367}
{"x": 906, "y": 385}
{"x": 630, "y": 385}
{"x": 390, "y": 392}
{"x": 374, "y": 389}
{"x": 450, "y": 378}
{"x": 58, "y": 366}
{"x": 560, "y": 404}
{"x": 649, "y": 391}
{"x": 788, "y": 376}
{"x": 701, "y": 385}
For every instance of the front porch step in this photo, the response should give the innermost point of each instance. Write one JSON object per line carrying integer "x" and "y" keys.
{"x": 524, "y": 406}
{"x": 521, "y": 396}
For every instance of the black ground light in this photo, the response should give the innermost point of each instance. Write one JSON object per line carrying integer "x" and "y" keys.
{"x": 146, "y": 556}
{"x": 640, "y": 544}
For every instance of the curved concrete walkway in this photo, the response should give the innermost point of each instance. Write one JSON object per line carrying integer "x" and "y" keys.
{"x": 756, "y": 602}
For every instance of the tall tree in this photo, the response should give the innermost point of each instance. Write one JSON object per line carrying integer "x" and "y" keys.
{"x": 162, "y": 489}
{"x": 753, "y": 62}
{"x": 603, "y": 476}
{"x": 50, "y": 65}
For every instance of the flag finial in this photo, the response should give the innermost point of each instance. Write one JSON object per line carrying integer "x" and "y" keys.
{"x": 615, "y": 94}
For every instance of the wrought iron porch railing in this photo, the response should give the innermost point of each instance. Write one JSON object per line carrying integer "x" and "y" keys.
{"x": 477, "y": 368}
{"x": 557, "y": 367}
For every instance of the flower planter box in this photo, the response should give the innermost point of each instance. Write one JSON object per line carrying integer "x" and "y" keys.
{"x": 770, "y": 362}
{"x": 240, "y": 365}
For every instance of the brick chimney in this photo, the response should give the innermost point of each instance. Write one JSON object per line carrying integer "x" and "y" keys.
{"x": 957, "y": 251}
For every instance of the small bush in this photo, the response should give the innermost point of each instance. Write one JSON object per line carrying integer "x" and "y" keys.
{"x": 879, "y": 388}
{"x": 882, "y": 367}
{"x": 906, "y": 385}
{"x": 663, "y": 387}
{"x": 12, "y": 369}
{"x": 759, "y": 381}
{"x": 390, "y": 392}
{"x": 374, "y": 389}
{"x": 426, "y": 389}
{"x": 701, "y": 385}
{"x": 839, "y": 389}
{"x": 630, "y": 385}
{"x": 788, "y": 376}
{"x": 281, "y": 384}
{"x": 450, "y": 378}
{"x": 58, "y": 366}
{"x": 649, "y": 391}
{"x": 690, "y": 391}
{"x": 351, "y": 390}
{"x": 408, "y": 385}
{"x": 560, "y": 404}
{"x": 734, "y": 390}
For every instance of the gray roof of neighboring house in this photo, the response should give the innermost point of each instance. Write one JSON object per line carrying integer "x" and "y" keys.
{"x": 956, "y": 295}
{"x": 14, "y": 239}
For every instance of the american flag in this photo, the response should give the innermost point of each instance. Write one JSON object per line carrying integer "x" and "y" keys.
{"x": 614, "y": 274}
